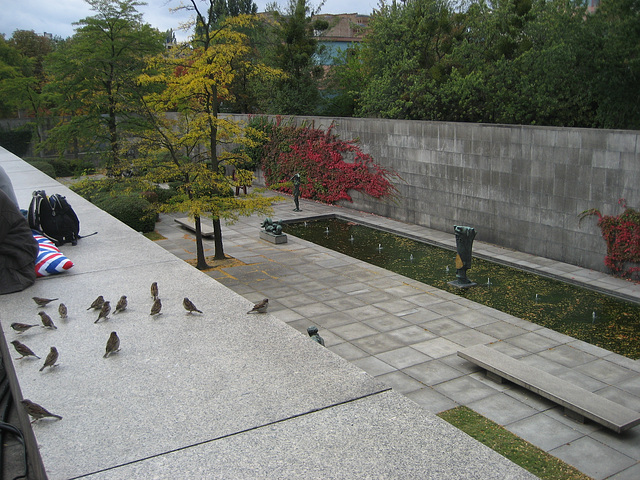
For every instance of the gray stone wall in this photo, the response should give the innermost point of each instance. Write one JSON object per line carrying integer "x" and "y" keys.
{"x": 521, "y": 187}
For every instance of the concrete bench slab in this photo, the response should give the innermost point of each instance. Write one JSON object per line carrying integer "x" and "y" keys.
{"x": 578, "y": 402}
{"x": 186, "y": 222}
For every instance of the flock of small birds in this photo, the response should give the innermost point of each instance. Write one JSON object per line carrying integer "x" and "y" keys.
{"x": 103, "y": 307}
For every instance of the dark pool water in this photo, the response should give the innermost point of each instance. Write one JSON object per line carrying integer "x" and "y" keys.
{"x": 584, "y": 314}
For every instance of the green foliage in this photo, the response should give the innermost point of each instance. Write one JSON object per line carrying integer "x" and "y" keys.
{"x": 92, "y": 188}
{"x": 44, "y": 167}
{"x": 519, "y": 451}
{"x": 532, "y": 62}
{"x": 93, "y": 79}
{"x": 132, "y": 210}
{"x": 16, "y": 141}
{"x": 295, "y": 53}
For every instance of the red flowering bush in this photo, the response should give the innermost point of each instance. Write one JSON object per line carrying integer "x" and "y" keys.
{"x": 328, "y": 166}
{"x": 622, "y": 235}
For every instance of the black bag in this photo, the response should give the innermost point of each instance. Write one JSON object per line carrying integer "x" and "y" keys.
{"x": 54, "y": 217}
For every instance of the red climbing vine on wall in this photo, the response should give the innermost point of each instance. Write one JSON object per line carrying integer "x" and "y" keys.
{"x": 328, "y": 166}
{"x": 622, "y": 235}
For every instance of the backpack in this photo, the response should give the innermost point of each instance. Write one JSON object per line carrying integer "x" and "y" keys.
{"x": 54, "y": 217}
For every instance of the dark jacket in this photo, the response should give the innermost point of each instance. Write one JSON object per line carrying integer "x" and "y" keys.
{"x": 18, "y": 248}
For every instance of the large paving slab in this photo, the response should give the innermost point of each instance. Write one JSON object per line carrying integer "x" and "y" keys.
{"x": 352, "y": 440}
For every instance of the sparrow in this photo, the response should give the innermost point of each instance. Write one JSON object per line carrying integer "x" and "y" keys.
{"x": 189, "y": 306}
{"x": 104, "y": 311}
{"x": 260, "y": 307}
{"x": 121, "y": 306}
{"x": 113, "y": 344}
{"x": 154, "y": 290}
{"x": 97, "y": 303}
{"x": 46, "y": 320}
{"x": 42, "y": 302}
{"x": 21, "y": 327}
{"x": 62, "y": 311}
{"x": 157, "y": 306}
{"x": 23, "y": 350}
{"x": 51, "y": 359}
{"x": 36, "y": 411}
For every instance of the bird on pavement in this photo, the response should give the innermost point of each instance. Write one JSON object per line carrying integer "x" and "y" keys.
{"x": 51, "y": 359}
{"x": 154, "y": 290}
{"x": 260, "y": 307}
{"x": 121, "y": 306}
{"x": 62, "y": 311}
{"x": 189, "y": 306}
{"x": 42, "y": 302}
{"x": 46, "y": 320}
{"x": 23, "y": 350}
{"x": 97, "y": 303}
{"x": 37, "y": 411}
{"x": 113, "y": 344}
{"x": 156, "y": 307}
{"x": 104, "y": 311}
{"x": 21, "y": 327}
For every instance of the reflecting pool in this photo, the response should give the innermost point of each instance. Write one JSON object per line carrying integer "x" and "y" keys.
{"x": 596, "y": 318}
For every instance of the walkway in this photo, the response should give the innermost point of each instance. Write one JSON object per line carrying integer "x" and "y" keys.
{"x": 406, "y": 333}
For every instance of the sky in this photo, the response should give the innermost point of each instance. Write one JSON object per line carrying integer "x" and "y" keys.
{"x": 57, "y": 16}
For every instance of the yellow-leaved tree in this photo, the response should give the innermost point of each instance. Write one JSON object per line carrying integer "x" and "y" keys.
{"x": 184, "y": 136}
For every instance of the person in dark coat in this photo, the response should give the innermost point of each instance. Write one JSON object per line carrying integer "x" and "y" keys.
{"x": 18, "y": 248}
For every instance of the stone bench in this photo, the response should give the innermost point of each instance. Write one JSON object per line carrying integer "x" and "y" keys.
{"x": 577, "y": 402}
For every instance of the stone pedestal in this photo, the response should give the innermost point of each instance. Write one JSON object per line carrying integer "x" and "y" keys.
{"x": 270, "y": 237}
{"x": 458, "y": 284}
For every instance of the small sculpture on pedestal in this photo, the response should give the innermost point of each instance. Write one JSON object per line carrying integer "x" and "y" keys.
{"x": 296, "y": 191}
{"x": 272, "y": 231}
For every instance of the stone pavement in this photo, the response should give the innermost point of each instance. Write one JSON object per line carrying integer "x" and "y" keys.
{"x": 406, "y": 333}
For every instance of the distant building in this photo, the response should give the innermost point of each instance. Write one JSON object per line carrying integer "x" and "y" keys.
{"x": 592, "y": 5}
{"x": 344, "y": 30}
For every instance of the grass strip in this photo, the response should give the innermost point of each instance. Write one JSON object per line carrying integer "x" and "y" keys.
{"x": 519, "y": 451}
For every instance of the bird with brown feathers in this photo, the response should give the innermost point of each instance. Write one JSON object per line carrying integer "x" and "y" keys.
{"x": 51, "y": 359}
{"x": 189, "y": 306}
{"x": 37, "y": 411}
{"x": 104, "y": 311}
{"x": 23, "y": 350}
{"x": 156, "y": 307}
{"x": 154, "y": 290}
{"x": 21, "y": 327}
{"x": 46, "y": 320}
{"x": 113, "y": 344}
{"x": 97, "y": 303}
{"x": 62, "y": 311}
{"x": 121, "y": 306}
{"x": 260, "y": 307}
{"x": 42, "y": 302}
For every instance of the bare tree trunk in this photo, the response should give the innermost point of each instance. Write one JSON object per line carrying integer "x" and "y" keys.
{"x": 217, "y": 239}
{"x": 202, "y": 262}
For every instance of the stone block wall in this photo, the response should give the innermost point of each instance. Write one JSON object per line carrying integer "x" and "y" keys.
{"x": 520, "y": 187}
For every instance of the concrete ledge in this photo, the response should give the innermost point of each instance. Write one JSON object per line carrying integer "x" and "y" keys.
{"x": 578, "y": 400}
{"x": 218, "y": 395}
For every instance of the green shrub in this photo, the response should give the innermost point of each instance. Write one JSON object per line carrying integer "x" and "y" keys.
{"x": 16, "y": 141}
{"x": 62, "y": 166}
{"x": 90, "y": 188}
{"x": 132, "y": 210}
{"x": 44, "y": 166}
